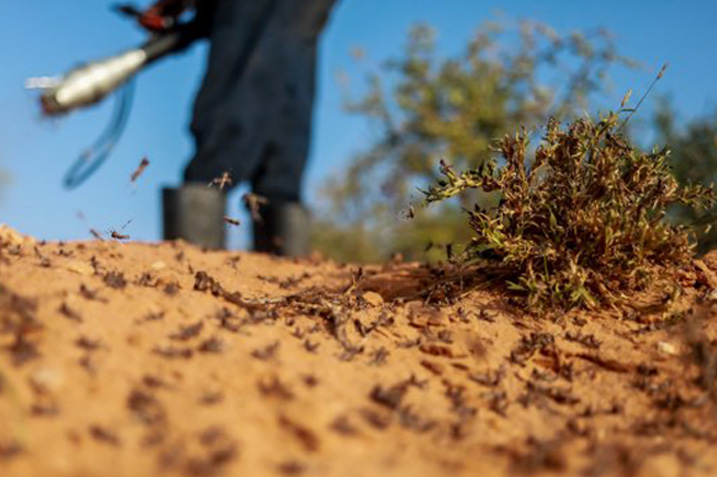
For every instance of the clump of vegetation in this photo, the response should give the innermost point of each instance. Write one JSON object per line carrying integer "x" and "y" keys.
{"x": 584, "y": 222}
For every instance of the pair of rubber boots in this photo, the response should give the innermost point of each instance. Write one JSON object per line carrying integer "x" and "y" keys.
{"x": 196, "y": 213}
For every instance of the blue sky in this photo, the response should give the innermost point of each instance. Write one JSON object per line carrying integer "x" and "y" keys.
{"x": 40, "y": 37}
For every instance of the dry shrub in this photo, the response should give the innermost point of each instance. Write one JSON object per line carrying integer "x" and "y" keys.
{"x": 585, "y": 222}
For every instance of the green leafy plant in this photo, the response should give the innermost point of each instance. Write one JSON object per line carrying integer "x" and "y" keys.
{"x": 583, "y": 222}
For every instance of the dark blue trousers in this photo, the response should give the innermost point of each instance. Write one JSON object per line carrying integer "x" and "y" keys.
{"x": 252, "y": 116}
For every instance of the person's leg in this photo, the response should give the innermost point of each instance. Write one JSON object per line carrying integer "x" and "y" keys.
{"x": 227, "y": 115}
{"x": 252, "y": 117}
{"x": 227, "y": 138}
{"x": 194, "y": 213}
{"x": 284, "y": 226}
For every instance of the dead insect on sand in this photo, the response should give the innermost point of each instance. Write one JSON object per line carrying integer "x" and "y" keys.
{"x": 44, "y": 261}
{"x": 69, "y": 313}
{"x": 90, "y": 294}
{"x": 306, "y": 437}
{"x": 22, "y": 350}
{"x": 211, "y": 345}
{"x": 211, "y": 398}
{"x": 10, "y": 449}
{"x": 343, "y": 425}
{"x": 273, "y": 387}
{"x": 145, "y": 407}
{"x": 88, "y": 343}
{"x": 105, "y": 435}
{"x": 115, "y": 280}
{"x": 389, "y": 397}
{"x": 171, "y": 352}
{"x": 188, "y": 332}
{"x": 587, "y": 340}
{"x": 171, "y": 288}
{"x": 266, "y": 353}
{"x": 292, "y": 467}
{"x": 310, "y": 346}
{"x": 378, "y": 357}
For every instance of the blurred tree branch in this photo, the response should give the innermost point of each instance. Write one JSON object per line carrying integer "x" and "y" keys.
{"x": 426, "y": 107}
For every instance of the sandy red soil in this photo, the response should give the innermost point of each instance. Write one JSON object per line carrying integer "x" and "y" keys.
{"x": 129, "y": 359}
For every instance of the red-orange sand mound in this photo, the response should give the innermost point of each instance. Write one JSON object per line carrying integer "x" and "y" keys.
{"x": 127, "y": 359}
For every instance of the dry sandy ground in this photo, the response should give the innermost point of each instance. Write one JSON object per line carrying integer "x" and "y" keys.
{"x": 128, "y": 359}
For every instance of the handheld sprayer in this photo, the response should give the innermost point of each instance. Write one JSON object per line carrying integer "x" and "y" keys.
{"x": 88, "y": 84}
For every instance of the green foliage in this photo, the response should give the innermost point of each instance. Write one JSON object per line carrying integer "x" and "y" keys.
{"x": 584, "y": 222}
{"x": 426, "y": 107}
{"x": 694, "y": 161}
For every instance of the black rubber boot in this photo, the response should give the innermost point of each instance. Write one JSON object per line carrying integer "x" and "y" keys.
{"x": 283, "y": 229}
{"x": 195, "y": 213}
